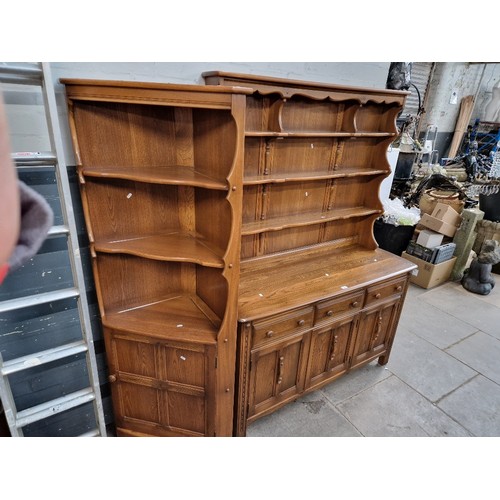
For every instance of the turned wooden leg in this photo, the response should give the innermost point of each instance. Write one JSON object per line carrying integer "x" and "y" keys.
{"x": 383, "y": 359}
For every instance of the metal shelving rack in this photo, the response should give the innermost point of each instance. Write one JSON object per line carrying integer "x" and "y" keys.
{"x": 487, "y": 135}
{"x": 40, "y": 75}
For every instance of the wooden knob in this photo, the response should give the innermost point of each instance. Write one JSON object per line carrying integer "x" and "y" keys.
{"x": 269, "y": 334}
{"x": 329, "y": 313}
{"x": 301, "y": 322}
{"x": 355, "y": 304}
{"x": 377, "y": 296}
{"x": 399, "y": 288}
{"x": 112, "y": 378}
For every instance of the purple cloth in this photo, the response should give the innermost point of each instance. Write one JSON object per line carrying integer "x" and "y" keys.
{"x": 36, "y": 220}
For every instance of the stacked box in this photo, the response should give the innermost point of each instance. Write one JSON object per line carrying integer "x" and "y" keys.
{"x": 447, "y": 214}
{"x": 429, "y": 275}
{"x": 420, "y": 251}
{"x": 444, "y": 252}
{"x": 444, "y": 219}
{"x": 434, "y": 255}
{"x": 429, "y": 239}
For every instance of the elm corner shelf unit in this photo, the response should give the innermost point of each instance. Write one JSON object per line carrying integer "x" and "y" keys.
{"x": 160, "y": 169}
{"x": 317, "y": 297}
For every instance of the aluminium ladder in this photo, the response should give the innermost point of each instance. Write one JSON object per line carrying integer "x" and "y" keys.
{"x": 40, "y": 76}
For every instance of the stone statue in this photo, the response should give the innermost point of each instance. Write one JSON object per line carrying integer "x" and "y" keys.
{"x": 478, "y": 278}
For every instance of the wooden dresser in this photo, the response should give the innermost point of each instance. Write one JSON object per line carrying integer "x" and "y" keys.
{"x": 231, "y": 234}
{"x": 317, "y": 297}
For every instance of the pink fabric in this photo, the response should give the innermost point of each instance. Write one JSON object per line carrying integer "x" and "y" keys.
{"x": 3, "y": 272}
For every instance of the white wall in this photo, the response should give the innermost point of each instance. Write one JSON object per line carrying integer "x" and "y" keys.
{"x": 466, "y": 79}
{"x": 370, "y": 74}
{"x": 25, "y": 112}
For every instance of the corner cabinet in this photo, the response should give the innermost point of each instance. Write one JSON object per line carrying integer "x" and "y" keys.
{"x": 160, "y": 169}
{"x": 317, "y": 297}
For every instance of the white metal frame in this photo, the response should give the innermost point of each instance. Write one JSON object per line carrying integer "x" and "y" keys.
{"x": 40, "y": 75}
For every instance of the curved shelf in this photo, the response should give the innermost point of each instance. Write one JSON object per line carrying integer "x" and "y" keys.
{"x": 173, "y": 247}
{"x": 310, "y": 176}
{"x": 279, "y": 223}
{"x": 174, "y": 174}
{"x": 318, "y": 134}
{"x": 181, "y": 317}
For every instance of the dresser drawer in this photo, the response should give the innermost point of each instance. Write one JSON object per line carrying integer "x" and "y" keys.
{"x": 380, "y": 292}
{"x": 330, "y": 308}
{"x": 283, "y": 324}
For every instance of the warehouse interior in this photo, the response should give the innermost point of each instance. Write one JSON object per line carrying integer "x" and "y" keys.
{"x": 438, "y": 210}
{"x": 432, "y": 112}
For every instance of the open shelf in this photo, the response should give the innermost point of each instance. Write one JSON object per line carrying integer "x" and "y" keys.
{"x": 284, "y": 222}
{"x": 181, "y": 317}
{"x": 129, "y": 283}
{"x": 306, "y": 157}
{"x": 158, "y": 220}
{"x": 318, "y": 134}
{"x": 174, "y": 175}
{"x": 306, "y": 176}
{"x": 175, "y": 246}
{"x": 374, "y": 117}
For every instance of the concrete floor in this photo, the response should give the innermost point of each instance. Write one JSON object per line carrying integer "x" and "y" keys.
{"x": 442, "y": 379}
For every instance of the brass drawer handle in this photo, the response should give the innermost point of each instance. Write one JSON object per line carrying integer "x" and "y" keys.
{"x": 399, "y": 288}
{"x": 377, "y": 296}
{"x": 355, "y": 304}
{"x": 269, "y": 334}
{"x": 301, "y": 322}
{"x": 329, "y": 313}
{"x": 280, "y": 369}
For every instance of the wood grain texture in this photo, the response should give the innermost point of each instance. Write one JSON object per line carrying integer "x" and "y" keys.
{"x": 315, "y": 156}
{"x": 175, "y": 247}
{"x": 277, "y": 284}
{"x": 176, "y": 175}
{"x": 160, "y": 170}
{"x": 178, "y": 317}
{"x": 209, "y": 206}
{"x": 315, "y": 90}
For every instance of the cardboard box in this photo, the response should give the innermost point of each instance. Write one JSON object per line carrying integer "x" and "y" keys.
{"x": 429, "y": 275}
{"x": 430, "y": 239}
{"x": 438, "y": 225}
{"x": 446, "y": 214}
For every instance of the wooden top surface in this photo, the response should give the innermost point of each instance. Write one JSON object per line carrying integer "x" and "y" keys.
{"x": 154, "y": 86}
{"x": 248, "y": 80}
{"x": 270, "y": 286}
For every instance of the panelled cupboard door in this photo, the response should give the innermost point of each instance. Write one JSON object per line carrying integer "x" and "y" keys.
{"x": 331, "y": 347}
{"x": 277, "y": 374}
{"x": 375, "y": 331}
{"x": 162, "y": 388}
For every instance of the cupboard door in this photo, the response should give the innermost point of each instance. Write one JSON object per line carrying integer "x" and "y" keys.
{"x": 161, "y": 388}
{"x": 375, "y": 332}
{"x": 277, "y": 374}
{"x": 330, "y": 351}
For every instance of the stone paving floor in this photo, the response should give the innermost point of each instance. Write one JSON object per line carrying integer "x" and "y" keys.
{"x": 442, "y": 379}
